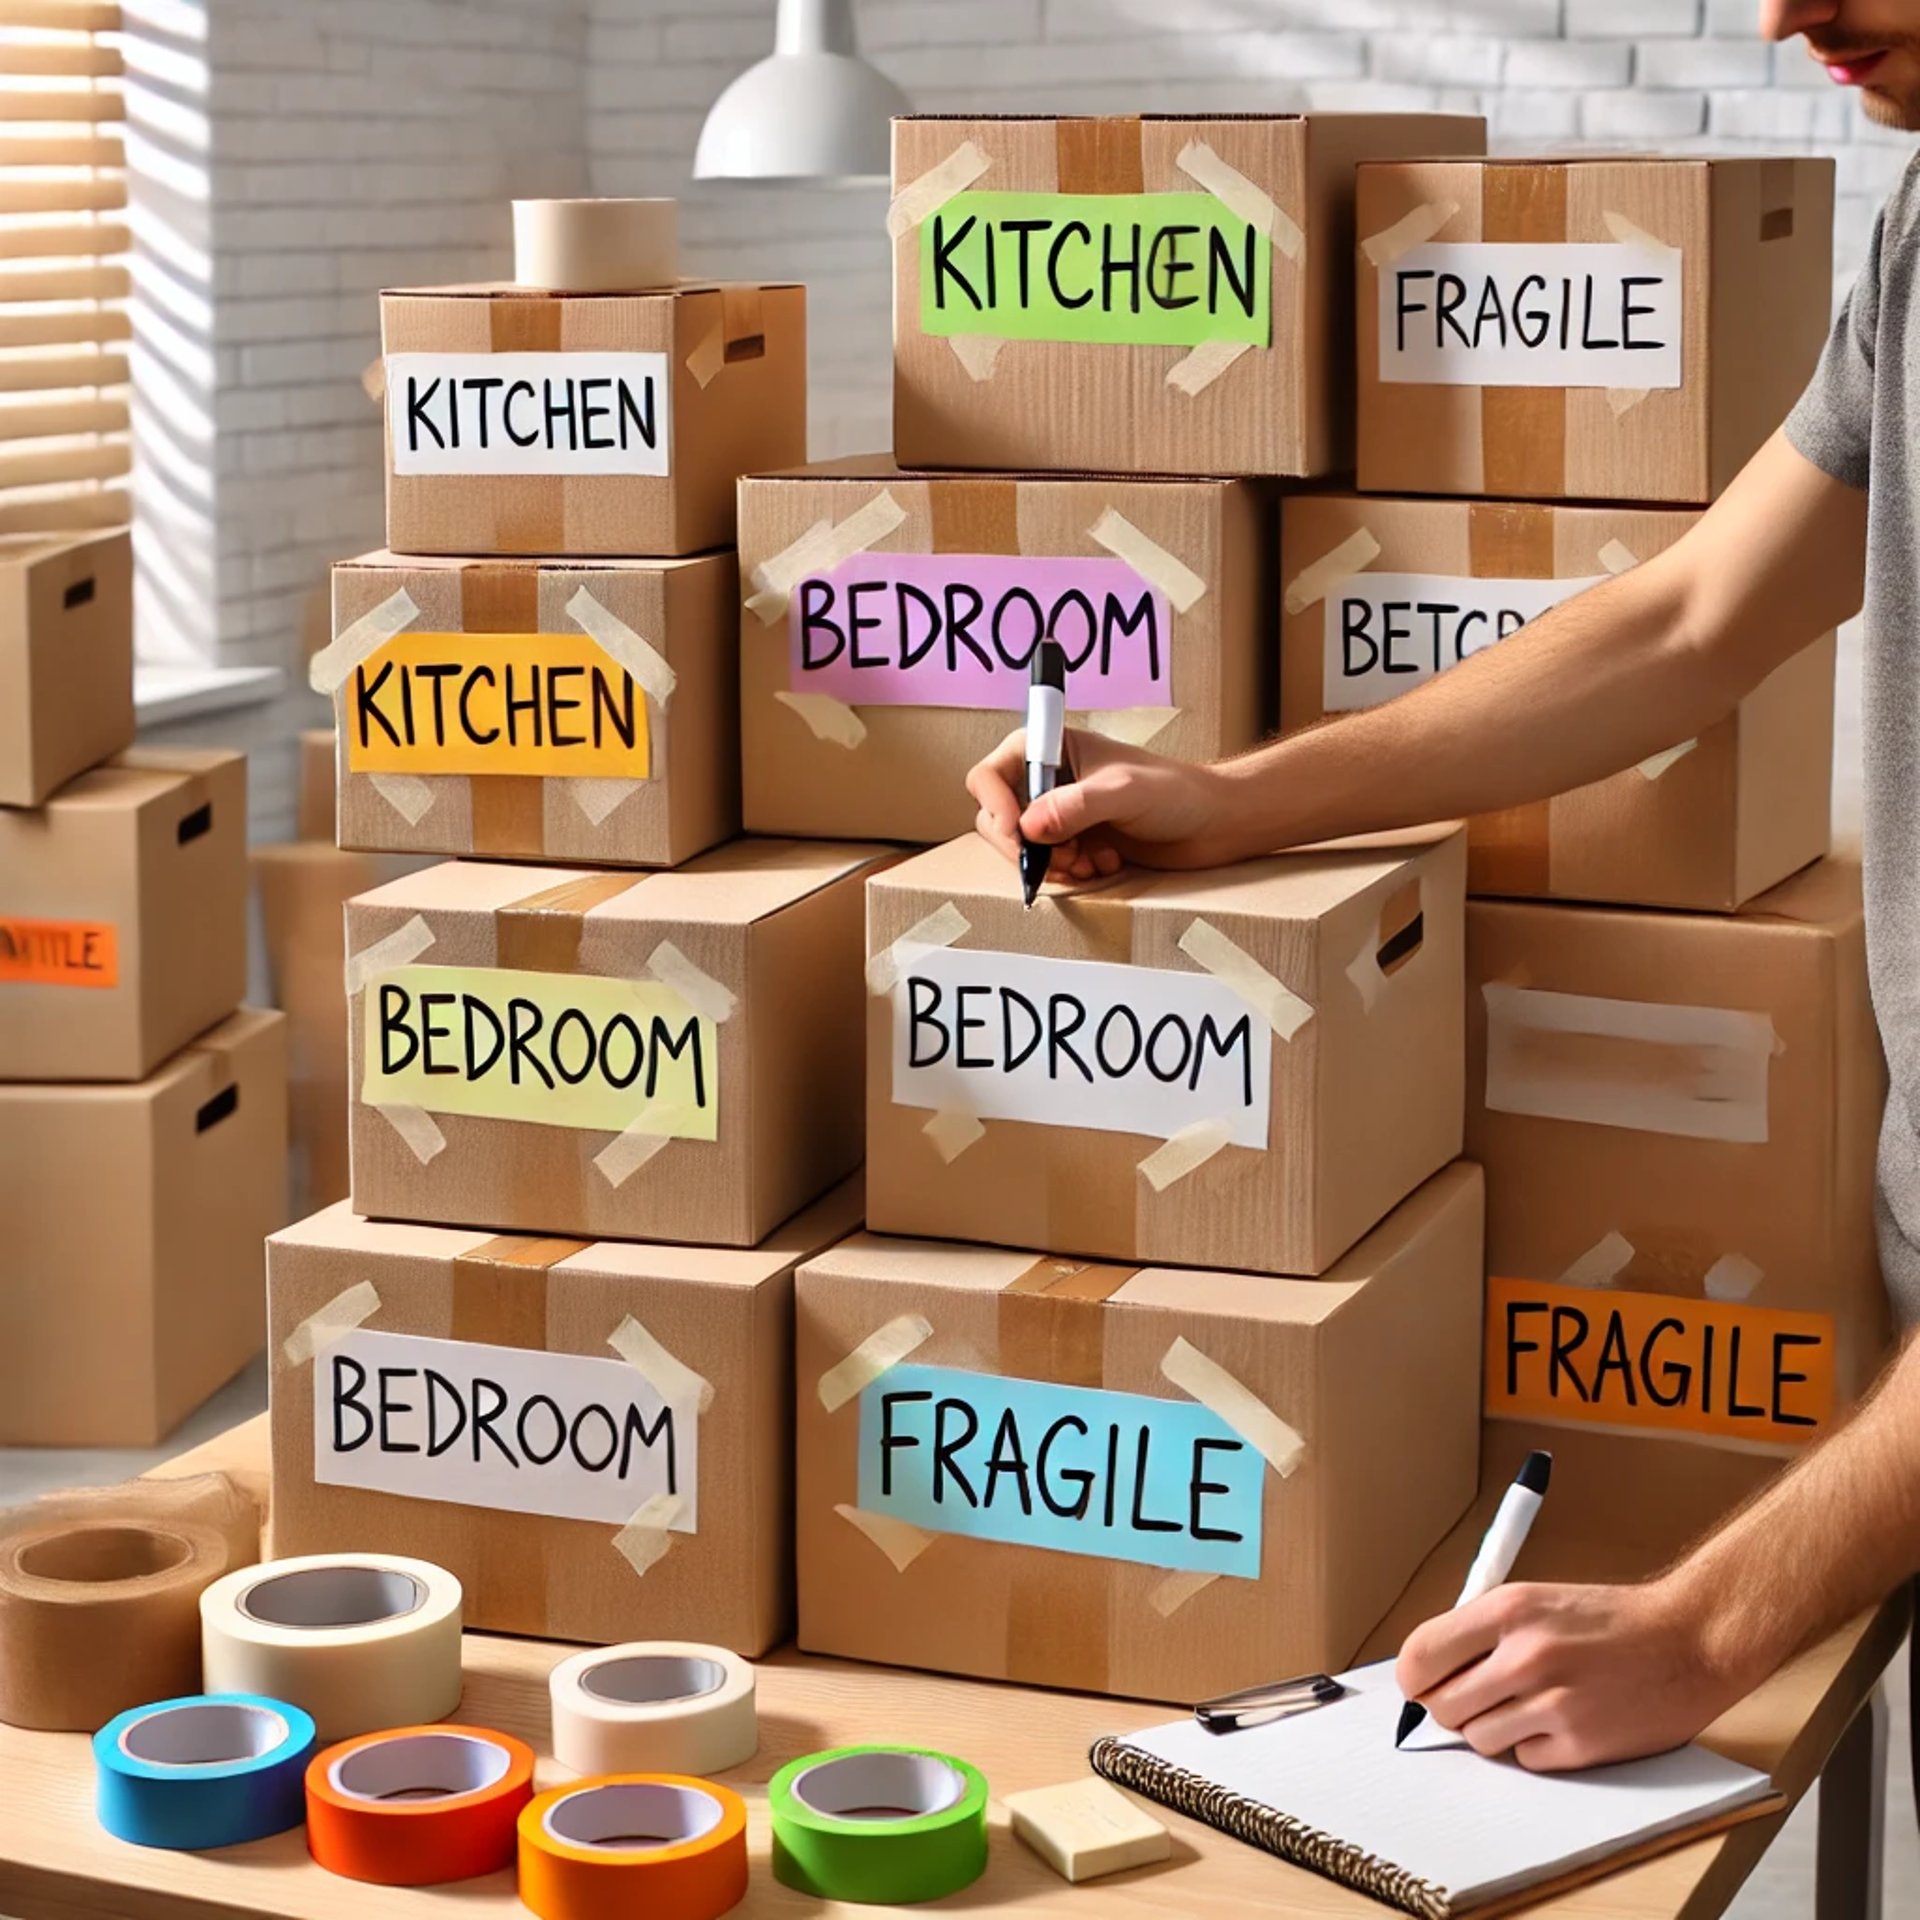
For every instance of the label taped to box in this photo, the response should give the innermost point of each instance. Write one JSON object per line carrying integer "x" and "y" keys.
{"x": 59, "y": 953}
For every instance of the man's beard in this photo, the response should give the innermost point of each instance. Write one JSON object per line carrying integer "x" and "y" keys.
{"x": 1891, "y": 110}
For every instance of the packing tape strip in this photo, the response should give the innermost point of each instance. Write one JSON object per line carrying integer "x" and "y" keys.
{"x": 711, "y": 999}
{"x": 612, "y": 635}
{"x": 1241, "y": 196}
{"x": 670, "y": 1377}
{"x": 1411, "y": 230}
{"x": 330, "y": 668}
{"x": 600, "y": 800}
{"x": 1621, "y": 401}
{"x": 952, "y": 1131}
{"x": 1185, "y": 1152}
{"x": 360, "y": 1641}
{"x": 827, "y": 719}
{"x": 349, "y": 1308}
{"x": 419, "y": 1131}
{"x": 1656, "y": 764}
{"x": 650, "y": 1133}
{"x": 1732, "y": 1277}
{"x": 213, "y": 1769}
{"x": 1194, "y": 372}
{"x": 978, "y": 353}
{"x": 1617, "y": 557}
{"x": 1358, "y": 551}
{"x": 418, "y": 1806}
{"x": 407, "y": 794}
{"x": 653, "y": 1706}
{"x": 1166, "y": 1597}
{"x": 941, "y": 928}
{"x": 643, "y": 1542}
{"x": 580, "y": 1858}
{"x": 1149, "y": 559}
{"x": 934, "y": 188}
{"x": 900, "y": 1540}
{"x": 1236, "y": 969}
{"x": 709, "y": 355}
{"x": 1364, "y": 970}
{"x": 1628, "y": 233}
{"x": 1220, "y": 1393}
{"x": 1602, "y": 1264}
{"x": 820, "y": 549}
{"x": 373, "y": 380}
{"x": 887, "y": 1825}
{"x": 1131, "y": 726}
{"x": 885, "y": 1347}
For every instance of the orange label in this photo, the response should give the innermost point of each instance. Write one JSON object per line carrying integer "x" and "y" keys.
{"x": 1599, "y": 1357}
{"x": 59, "y": 953}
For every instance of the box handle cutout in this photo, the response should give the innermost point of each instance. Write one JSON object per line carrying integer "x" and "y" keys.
{"x": 78, "y": 594}
{"x": 226, "y": 1101}
{"x": 750, "y": 346}
{"x": 1777, "y": 224}
{"x": 194, "y": 824}
{"x": 1403, "y": 928}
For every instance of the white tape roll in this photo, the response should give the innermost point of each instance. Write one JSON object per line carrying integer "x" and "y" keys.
{"x": 654, "y": 1706}
{"x": 362, "y": 1641}
{"x": 596, "y": 246}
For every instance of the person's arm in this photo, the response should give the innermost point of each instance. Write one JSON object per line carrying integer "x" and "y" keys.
{"x": 1633, "y": 666}
{"x": 1579, "y": 1676}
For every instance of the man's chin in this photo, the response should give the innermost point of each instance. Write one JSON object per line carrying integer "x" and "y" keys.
{"x": 1891, "y": 110}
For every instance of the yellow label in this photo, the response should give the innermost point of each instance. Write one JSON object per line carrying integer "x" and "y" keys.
{"x": 553, "y": 704}
{"x": 552, "y": 1049}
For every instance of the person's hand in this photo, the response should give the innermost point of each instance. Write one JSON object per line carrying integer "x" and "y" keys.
{"x": 1571, "y": 1676}
{"x": 1123, "y": 806}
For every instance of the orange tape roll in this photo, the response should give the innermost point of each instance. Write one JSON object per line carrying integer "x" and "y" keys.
{"x": 664, "y": 1844}
{"x": 418, "y": 1806}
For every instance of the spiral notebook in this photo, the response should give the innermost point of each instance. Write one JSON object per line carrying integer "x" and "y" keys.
{"x": 1431, "y": 1828}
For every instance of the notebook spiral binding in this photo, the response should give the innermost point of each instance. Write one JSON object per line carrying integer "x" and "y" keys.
{"x": 1276, "y": 1833}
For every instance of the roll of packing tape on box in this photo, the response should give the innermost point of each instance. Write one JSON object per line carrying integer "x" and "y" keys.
{"x": 660, "y": 1844}
{"x": 653, "y": 1706}
{"x": 887, "y": 1825}
{"x": 596, "y": 246}
{"x": 418, "y": 1806}
{"x": 362, "y": 1641}
{"x": 209, "y": 1770}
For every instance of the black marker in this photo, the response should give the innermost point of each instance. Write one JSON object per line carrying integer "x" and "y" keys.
{"x": 1046, "y": 752}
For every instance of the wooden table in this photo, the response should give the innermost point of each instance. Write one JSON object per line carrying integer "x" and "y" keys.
{"x": 56, "y": 1864}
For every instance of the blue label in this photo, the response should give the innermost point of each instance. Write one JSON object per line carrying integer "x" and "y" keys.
{"x": 1120, "y": 1476}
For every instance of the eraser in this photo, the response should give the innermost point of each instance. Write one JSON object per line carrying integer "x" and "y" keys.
{"x": 1085, "y": 1828}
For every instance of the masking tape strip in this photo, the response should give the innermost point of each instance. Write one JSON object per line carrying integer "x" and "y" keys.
{"x": 900, "y": 1540}
{"x": 1621, "y": 401}
{"x": 1239, "y": 195}
{"x": 1220, "y": 1393}
{"x": 709, "y": 998}
{"x": 327, "y": 671}
{"x": 417, "y": 1127}
{"x": 1168, "y": 1596}
{"x": 820, "y": 549}
{"x": 709, "y": 355}
{"x": 1412, "y": 230}
{"x": 614, "y": 637}
{"x": 1656, "y": 764}
{"x": 1149, "y": 559}
{"x": 941, "y": 928}
{"x": 1617, "y": 557}
{"x": 1732, "y": 1277}
{"x": 410, "y": 797}
{"x": 1196, "y": 371}
{"x": 1628, "y": 234}
{"x": 600, "y": 800}
{"x": 934, "y": 188}
{"x": 1132, "y": 726}
{"x": 953, "y": 1132}
{"x": 1184, "y": 1152}
{"x": 373, "y": 380}
{"x": 1602, "y": 1264}
{"x": 1311, "y": 585}
{"x": 979, "y": 353}
{"x": 885, "y": 1347}
{"x": 1236, "y": 969}
{"x": 400, "y": 948}
{"x": 338, "y": 1318}
{"x": 672, "y": 1379}
{"x": 648, "y": 1134}
{"x": 644, "y": 1540}
{"x": 827, "y": 719}
{"x": 1364, "y": 970}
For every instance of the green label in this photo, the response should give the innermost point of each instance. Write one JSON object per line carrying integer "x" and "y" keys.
{"x": 1137, "y": 269}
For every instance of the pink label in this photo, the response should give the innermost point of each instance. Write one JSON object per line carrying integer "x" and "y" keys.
{"x": 959, "y": 630}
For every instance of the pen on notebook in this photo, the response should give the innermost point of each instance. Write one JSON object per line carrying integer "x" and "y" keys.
{"x": 1046, "y": 752}
{"x": 1498, "y": 1551}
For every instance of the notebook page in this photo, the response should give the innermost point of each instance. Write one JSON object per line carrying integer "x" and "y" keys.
{"x": 1474, "y": 1827}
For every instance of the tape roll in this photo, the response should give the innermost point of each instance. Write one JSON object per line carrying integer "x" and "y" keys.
{"x": 653, "y": 1706}
{"x": 208, "y": 1770}
{"x": 362, "y": 1641}
{"x": 418, "y": 1806}
{"x": 658, "y": 1843}
{"x": 596, "y": 246}
{"x": 887, "y": 1825}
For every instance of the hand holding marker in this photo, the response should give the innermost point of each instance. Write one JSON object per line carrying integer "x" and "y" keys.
{"x": 1046, "y": 752}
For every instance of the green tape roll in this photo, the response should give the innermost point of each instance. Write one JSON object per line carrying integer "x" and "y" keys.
{"x": 886, "y": 1825}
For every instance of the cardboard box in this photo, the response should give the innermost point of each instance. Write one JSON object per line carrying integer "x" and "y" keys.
{"x": 673, "y": 1056}
{"x": 134, "y": 1220}
{"x": 536, "y": 709}
{"x": 686, "y": 1352}
{"x": 1586, "y": 327}
{"x": 1382, "y": 594}
{"x": 1678, "y": 1116}
{"x": 1276, "y": 1456}
{"x": 66, "y": 658}
{"x": 1180, "y": 304}
{"x": 866, "y": 692}
{"x": 315, "y": 815}
{"x": 1244, "y": 1069}
{"x": 523, "y": 421}
{"x": 123, "y": 916}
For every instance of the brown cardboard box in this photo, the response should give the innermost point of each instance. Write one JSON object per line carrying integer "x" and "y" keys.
{"x": 123, "y": 916}
{"x": 1173, "y": 645}
{"x": 1423, "y": 581}
{"x": 66, "y": 658}
{"x": 642, "y": 410}
{"x": 672, "y": 1056}
{"x": 707, "y": 1420}
{"x": 497, "y": 722}
{"x": 134, "y": 1220}
{"x": 315, "y": 816}
{"x": 1237, "y": 361}
{"x": 1646, "y": 366}
{"x": 1219, "y": 1568}
{"x": 1678, "y": 1117}
{"x": 1244, "y": 1069}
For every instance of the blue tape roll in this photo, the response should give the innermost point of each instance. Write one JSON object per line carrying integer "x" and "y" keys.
{"x": 209, "y": 1770}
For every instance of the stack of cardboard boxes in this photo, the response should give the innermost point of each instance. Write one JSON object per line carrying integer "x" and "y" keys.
{"x": 142, "y": 1118}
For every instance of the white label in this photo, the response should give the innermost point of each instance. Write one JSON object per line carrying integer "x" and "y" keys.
{"x": 552, "y": 413}
{"x": 1079, "y": 1043}
{"x": 1484, "y": 314}
{"x": 511, "y": 1428}
{"x": 1387, "y": 632}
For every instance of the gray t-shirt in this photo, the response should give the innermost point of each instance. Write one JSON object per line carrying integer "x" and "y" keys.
{"x": 1857, "y": 422}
